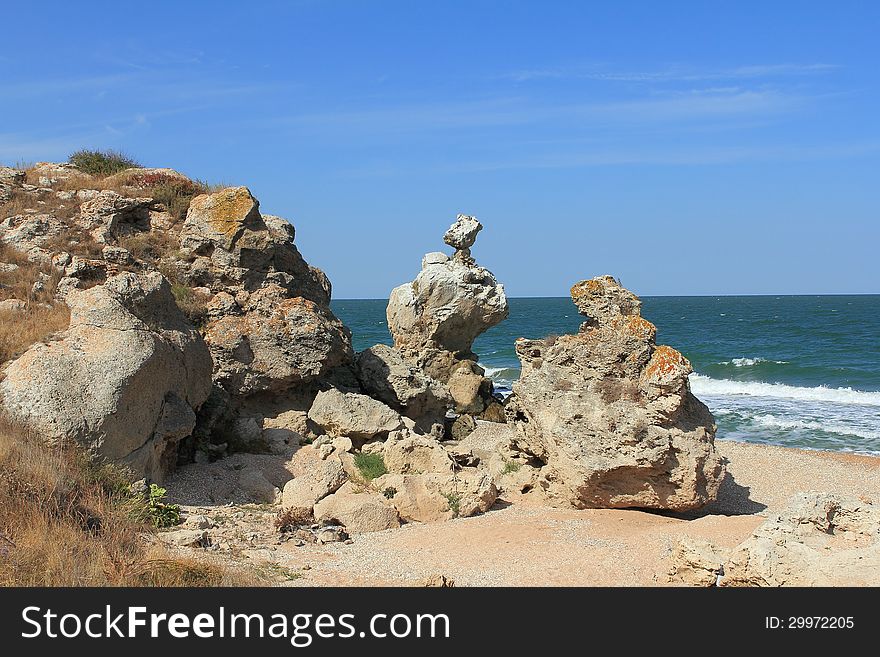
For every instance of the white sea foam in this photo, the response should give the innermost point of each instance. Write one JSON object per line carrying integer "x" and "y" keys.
{"x": 771, "y": 421}
{"x": 704, "y": 385}
{"x": 749, "y": 362}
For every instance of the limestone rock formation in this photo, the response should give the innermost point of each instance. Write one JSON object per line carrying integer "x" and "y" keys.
{"x": 447, "y": 306}
{"x": 124, "y": 380}
{"x": 272, "y": 327}
{"x": 606, "y": 417}
{"x": 436, "y": 318}
{"x": 820, "y": 539}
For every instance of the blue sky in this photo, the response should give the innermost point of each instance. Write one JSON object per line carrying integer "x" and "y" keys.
{"x": 686, "y": 147}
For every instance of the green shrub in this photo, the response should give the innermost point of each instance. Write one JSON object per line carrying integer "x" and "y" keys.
{"x": 370, "y": 465}
{"x": 101, "y": 163}
{"x": 510, "y": 466}
{"x": 454, "y": 502}
{"x": 162, "y": 514}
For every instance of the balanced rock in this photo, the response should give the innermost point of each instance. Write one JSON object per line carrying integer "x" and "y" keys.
{"x": 436, "y": 318}
{"x": 356, "y": 416}
{"x": 124, "y": 379}
{"x": 607, "y": 416}
{"x": 447, "y": 306}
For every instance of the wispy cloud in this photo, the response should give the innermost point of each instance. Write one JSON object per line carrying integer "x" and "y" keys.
{"x": 690, "y": 105}
{"x": 671, "y": 73}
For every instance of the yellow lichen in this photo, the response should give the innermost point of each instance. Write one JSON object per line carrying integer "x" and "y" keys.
{"x": 227, "y": 209}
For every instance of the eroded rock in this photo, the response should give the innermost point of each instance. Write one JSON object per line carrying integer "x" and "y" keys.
{"x": 607, "y": 416}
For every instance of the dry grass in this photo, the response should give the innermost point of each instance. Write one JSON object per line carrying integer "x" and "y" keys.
{"x": 150, "y": 246}
{"x": 66, "y": 520}
{"x": 41, "y": 316}
{"x": 76, "y": 241}
{"x": 19, "y": 330}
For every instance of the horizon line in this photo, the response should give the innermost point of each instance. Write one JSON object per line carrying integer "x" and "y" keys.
{"x": 672, "y": 296}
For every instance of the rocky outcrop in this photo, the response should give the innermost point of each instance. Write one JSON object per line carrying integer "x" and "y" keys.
{"x": 450, "y": 303}
{"x": 271, "y": 326}
{"x": 606, "y": 417}
{"x": 434, "y": 321}
{"x": 358, "y": 509}
{"x": 124, "y": 380}
{"x": 819, "y": 539}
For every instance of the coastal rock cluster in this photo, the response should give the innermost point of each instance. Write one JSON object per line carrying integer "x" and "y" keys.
{"x": 605, "y": 418}
{"x": 184, "y": 327}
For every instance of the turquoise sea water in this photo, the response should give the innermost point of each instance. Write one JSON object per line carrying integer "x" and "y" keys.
{"x": 801, "y": 371}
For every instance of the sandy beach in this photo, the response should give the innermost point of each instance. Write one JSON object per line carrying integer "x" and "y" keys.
{"x": 520, "y": 544}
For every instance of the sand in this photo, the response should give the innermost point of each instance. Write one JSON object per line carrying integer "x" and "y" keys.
{"x": 516, "y": 544}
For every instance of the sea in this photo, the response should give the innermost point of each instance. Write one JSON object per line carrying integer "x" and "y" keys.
{"x": 797, "y": 371}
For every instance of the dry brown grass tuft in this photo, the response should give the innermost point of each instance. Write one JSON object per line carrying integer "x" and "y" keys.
{"x": 20, "y": 329}
{"x": 66, "y": 520}
{"x": 151, "y": 246}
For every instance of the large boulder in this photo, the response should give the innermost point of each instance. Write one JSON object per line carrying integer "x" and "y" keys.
{"x": 437, "y": 496}
{"x": 386, "y": 375}
{"x": 270, "y": 328}
{"x": 124, "y": 379}
{"x": 358, "y": 509}
{"x": 820, "y": 539}
{"x": 273, "y": 342}
{"x": 112, "y": 216}
{"x": 322, "y": 479}
{"x": 607, "y": 417}
{"x": 356, "y": 416}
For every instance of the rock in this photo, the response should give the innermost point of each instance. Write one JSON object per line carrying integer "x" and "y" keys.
{"x": 272, "y": 329}
{"x": 124, "y": 380}
{"x": 342, "y": 444}
{"x": 358, "y": 511}
{"x": 696, "y": 562}
{"x": 50, "y": 173}
{"x": 253, "y": 484}
{"x": 609, "y": 417}
{"x": 13, "y": 306}
{"x": 446, "y": 307}
{"x": 199, "y": 521}
{"x": 115, "y": 216}
{"x": 406, "y": 453}
{"x": 117, "y": 255}
{"x": 350, "y": 414}
{"x": 819, "y": 539}
{"x": 186, "y": 538}
{"x": 10, "y": 176}
{"x": 385, "y": 375}
{"x": 330, "y": 535}
{"x": 494, "y": 412}
{"x": 276, "y": 344}
{"x": 462, "y": 427}
{"x": 463, "y": 233}
{"x": 470, "y": 389}
{"x": 303, "y": 491}
{"x": 434, "y": 496}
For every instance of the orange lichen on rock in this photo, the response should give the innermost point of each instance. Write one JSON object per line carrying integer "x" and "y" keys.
{"x": 636, "y": 326}
{"x": 666, "y": 361}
